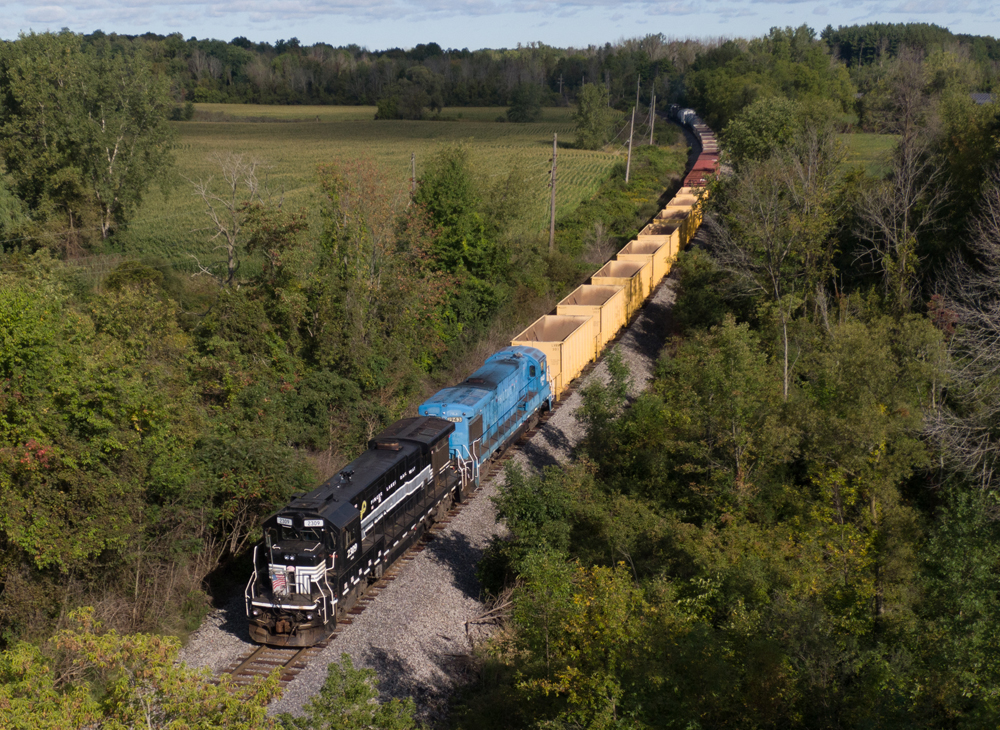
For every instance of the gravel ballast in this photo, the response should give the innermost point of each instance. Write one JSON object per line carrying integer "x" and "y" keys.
{"x": 414, "y": 633}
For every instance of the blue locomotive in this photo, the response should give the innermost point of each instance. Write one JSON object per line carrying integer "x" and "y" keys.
{"x": 492, "y": 407}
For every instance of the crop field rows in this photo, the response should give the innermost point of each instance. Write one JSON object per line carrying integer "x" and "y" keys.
{"x": 869, "y": 151}
{"x": 293, "y": 141}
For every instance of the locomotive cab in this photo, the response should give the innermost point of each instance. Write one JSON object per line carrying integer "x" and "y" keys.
{"x": 293, "y": 565}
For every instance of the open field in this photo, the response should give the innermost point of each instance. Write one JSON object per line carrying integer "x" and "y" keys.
{"x": 869, "y": 150}
{"x": 294, "y": 140}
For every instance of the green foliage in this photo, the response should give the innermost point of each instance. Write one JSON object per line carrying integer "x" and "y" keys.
{"x": 380, "y": 303}
{"x": 602, "y": 404}
{"x": 593, "y": 118}
{"x": 13, "y": 214}
{"x": 961, "y": 575}
{"x": 876, "y": 42}
{"x": 533, "y": 509}
{"x": 764, "y": 554}
{"x": 970, "y": 143}
{"x": 83, "y": 130}
{"x": 411, "y": 94}
{"x": 702, "y": 304}
{"x": 348, "y": 700}
{"x": 789, "y": 63}
{"x": 759, "y": 129}
{"x": 525, "y": 104}
{"x": 121, "y": 681}
{"x": 464, "y": 244}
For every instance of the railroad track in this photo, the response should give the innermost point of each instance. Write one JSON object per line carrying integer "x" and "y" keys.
{"x": 289, "y": 661}
{"x": 263, "y": 660}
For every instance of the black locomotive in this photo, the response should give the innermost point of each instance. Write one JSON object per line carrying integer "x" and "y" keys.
{"x": 322, "y": 550}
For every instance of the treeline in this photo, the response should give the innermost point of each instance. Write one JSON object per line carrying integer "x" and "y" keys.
{"x": 796, "y": 526}
{"x": 289, "y": 73}
{"x": 874, "y": 43}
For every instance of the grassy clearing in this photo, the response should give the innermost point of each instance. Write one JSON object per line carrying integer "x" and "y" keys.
{"x": 294, "y": 140}
{"x": 869, "y": 151}
{"x": 260, "y": 112}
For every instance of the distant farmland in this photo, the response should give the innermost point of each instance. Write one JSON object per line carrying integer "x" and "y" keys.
{"x": 294, "y": 140}
{"x": 870, "y": 151}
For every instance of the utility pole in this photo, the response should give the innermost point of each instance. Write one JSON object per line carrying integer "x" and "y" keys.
{"x": 652, "y": 118}
{"x": 413, "y": 173}
{"x": 560, "y": 87}
{"x": 637, "y": 82}
{"x": 552, "y": 203}
{"x": 628, "y": 165}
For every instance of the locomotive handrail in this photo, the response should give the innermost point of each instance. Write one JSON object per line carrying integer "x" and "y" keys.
{"x": 249, "y": 592}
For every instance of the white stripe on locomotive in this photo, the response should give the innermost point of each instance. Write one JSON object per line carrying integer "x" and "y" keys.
{"x": 404, "y": 491}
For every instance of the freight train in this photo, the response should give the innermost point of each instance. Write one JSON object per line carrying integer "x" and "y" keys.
{"x": 321, "y": 552}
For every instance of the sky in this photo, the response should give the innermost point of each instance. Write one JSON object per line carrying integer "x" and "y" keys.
{"x": 381, "y": 24}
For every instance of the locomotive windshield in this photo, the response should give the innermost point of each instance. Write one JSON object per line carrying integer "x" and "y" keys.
{"x": 281, "y": 533}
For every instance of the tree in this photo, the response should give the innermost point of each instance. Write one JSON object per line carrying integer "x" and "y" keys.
{"x": 525, "y": 103}
{"x": 105, "y": 679}
{"x": 245, "y": 215}
{"x": 761, "y": 128}
{"x": 349, "y": 700}
{"x": 83, "y": 132}
{"x": 592, "y": 117}
{"x": 967, "y": 425}
{"x": 896, "y": 212}
{"x": 13, "y": 213}
{"x": 464, "y": 243}
{"x": 776, "y": 228}
{"x": 410, "y": 95}
{"x": 378, "y": 301}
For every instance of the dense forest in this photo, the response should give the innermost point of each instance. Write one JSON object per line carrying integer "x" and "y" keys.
{"x": 796, "y": 526}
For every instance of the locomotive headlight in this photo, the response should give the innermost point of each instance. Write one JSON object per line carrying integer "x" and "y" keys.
{"x": 309, "y": 617}
{"x": 256, "y": 612}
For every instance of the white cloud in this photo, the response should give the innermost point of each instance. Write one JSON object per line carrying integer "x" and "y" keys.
{"x": 46, "y": 14}
{"x": 676, "y": 9}
{"x": 929, "y": 6}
